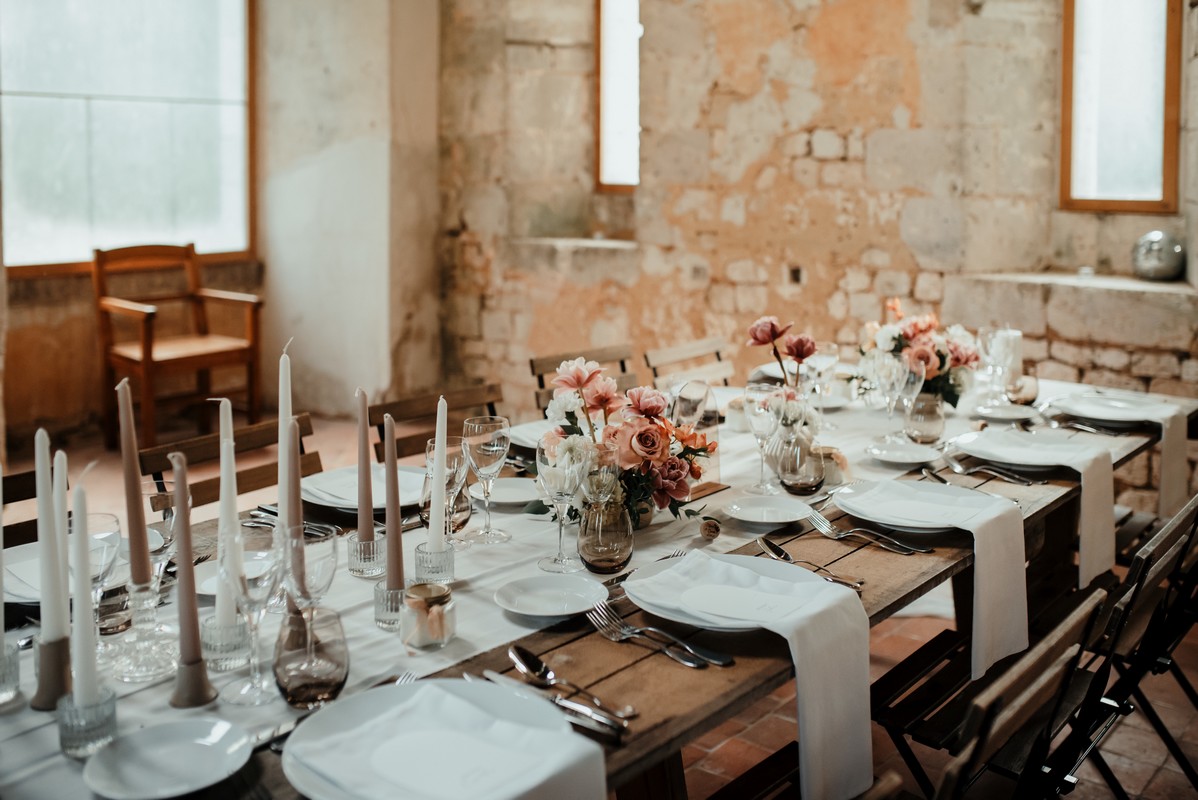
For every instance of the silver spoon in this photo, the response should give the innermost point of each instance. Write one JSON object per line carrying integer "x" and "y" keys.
{"x": 538, "y": 673}
{"x": 774, "y": 550}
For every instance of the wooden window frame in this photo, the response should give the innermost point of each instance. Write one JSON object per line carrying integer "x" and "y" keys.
{"x": 250, "y": 254}
{"x": 600, "y": 186}
{"x": 1168, "y": 204}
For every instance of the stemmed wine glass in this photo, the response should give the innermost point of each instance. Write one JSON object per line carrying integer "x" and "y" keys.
{"x": 486, "y": 445}
{"x": 455, "y": 479}
{"x": 104, "y": 530}
{"x": 253, "y": 566}
{"x": 763, "y": 422}
{"x": 560, "y": 472}
{"x": 603, "y": 474}
{"x": 910, "y": 382}
{"x": 311, "y": 562}
{"x": 823, "y": 366}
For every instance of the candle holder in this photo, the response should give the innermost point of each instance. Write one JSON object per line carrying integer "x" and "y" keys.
{"x": 83, "y": 730}
{"x": 388, "y": 607}
{"x": 10, "y": 672}
{"x": 225, "y": 647}
{"x": 53, "y": 673}
{"x": 428, "y": 620}
{"x": 367, "y": 559}
{"x": 433, "y": 566}
{"x": 144, "y": 655}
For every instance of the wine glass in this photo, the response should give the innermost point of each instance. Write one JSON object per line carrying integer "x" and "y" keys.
{"x": 104, "y": 530}
{"x": 252, "y": 565}
{"x": 560, "y": 470}
{"x": 311, "y": 562}
{"x": 455, "y": 479}
{"x": 911, "y": 383}
{"x": 890, "y": 373}
{"x": 486, "y": 445}
{"x": 823, "y": 366}
{"x": 301, "y": 686}
{"x": 801, "y": 469}
{"x": 763, "y": 422}
{"x": 603, "y": 475}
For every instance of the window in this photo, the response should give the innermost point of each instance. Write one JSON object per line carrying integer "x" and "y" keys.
{"x": 618, "y": 90}
{"x": 123, "y": 122}
{"x": 1120, "y": 105}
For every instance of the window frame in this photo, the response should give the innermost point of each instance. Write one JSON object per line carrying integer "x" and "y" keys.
{"x": 1168, "y": 204}
{"x": 600, "y": 186}
{"x": 250, "y": 254}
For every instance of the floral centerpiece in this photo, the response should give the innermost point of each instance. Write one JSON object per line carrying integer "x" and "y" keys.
{"x": 657, "y": 460}
{"x": 945, "y": 353}
{"x": 767, "y": 332}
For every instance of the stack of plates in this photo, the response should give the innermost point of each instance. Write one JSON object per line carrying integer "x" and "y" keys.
{"x": 338, "y": 489}
{"x": 912, "y": 506}
{"x": 1115, "y": 411}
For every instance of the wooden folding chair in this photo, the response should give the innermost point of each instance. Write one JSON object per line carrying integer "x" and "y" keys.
{"x": 544, "y": 367}
{"x": 19, "y": 487}
{"x": 159, "y": 352}
{"x": 679, "y": 364}
{"x": 416, "y": 417}
{"x": 204, "y": 449}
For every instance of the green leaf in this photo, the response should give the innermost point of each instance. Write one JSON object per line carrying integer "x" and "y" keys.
{"x": 571, "y": 430}
{"x": 536, "y": 507}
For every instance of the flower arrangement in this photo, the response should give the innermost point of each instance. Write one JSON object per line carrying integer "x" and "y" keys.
{"x": 945, "y": 353}
{"x": 767, "y": 331}
{"x": 657, "y": 460}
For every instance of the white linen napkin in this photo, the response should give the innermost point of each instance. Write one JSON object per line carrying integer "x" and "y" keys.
{"x": 1174, "y": 489}
{"x": 439, "y": 746}
{"x": 828, "y": 633}
{"x": 339, "y": 488}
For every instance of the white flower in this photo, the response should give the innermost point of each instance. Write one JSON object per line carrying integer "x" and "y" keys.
{"x": 887, "y": 337}
{"x": 562, "y": 404}
{"x": 575, "y": 451}
{"x": 961, "y": 335}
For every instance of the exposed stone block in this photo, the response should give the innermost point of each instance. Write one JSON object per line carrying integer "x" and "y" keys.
{"x": 678, "y": 156}
{"x": 1145, "y": 500}
{"x": 934, "y": 229}
{"x": 1174, "y": 387}
{"x": 837, "y": 173}
{"x": 922, "y": 159}
{"x": 855, "y": 279}
{"x": 732, "y": 210}
{"x": 1056, "y": 371}
{"x": 797, "y": 145}
{"x": 838, "y": 305}
{"x": 1189, "y": 370}
{"x": 876, "y": 258}
{"x": 827, "y": 144}
{"x": 982, "y": 301}
{"x": 1135, "y": 472}
{"x": 745, "y": 270}
{"x": 929, "y": 287}
{"x": 1114, "y": 380}
{"x": 1005, "y": 234}
{"x": 1034, "y": 350}
{"x": 865, "y": 306}
{"x": 1111, "y": 358}
{"x": 892, "y": 283}
{"x": 1155, "y": 365}
{"x": 1122, "y": 313}
{"x": 1071, "y": 354}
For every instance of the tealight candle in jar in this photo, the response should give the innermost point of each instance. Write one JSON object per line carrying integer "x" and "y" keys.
{"x": 429, "y": 619}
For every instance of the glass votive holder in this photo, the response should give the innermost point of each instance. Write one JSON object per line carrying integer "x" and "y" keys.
{"x": 388, "y": 606}
{"x": 10, "y": 672}
{"x": 433, "y": 566}
{"x": 429, "y": 618}
{"x": 225, "y": 647}
{"x": 368, "y": 559}
{"x": 82, "y": 730}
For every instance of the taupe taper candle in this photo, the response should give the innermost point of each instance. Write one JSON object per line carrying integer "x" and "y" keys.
{"x": 185, "y": 592}
{"x": 295, "y": 525}
{"x": 365, "y": 492}
{"x": 135, "y": 520}
{"x": 394, "y": 515}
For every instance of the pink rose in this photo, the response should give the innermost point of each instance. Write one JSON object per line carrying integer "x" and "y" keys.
{"x": 962, "y": 355}
{"x": 766, "y": 331}
{"x": 670, "y": 481}
{"x": 603, "y": 395}
{"x": 915, "y": 327}
{"x": 925, "y": 353}
{"x": 640, "y": 441}
{"x": 644, "y": 401}
{"x": 799, "y": 347}
{"x": 551, "y": 440}
{"x": 574, "y": 375}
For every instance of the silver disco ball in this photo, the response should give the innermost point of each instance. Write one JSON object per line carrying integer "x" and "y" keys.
{"x": 1159, "y": 256}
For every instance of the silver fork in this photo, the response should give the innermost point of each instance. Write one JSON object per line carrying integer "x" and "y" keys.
{"x": 987, "y": 469}
{"x": 825, "y": 526}
{"x": 616, "y": 634}
{"x": 603, "y": 610}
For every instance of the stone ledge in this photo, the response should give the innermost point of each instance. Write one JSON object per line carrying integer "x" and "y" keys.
{"x": 585, "y": 261}
{"x": 1101, "y": 309}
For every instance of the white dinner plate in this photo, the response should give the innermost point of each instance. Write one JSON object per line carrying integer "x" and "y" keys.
{"x": 168, "y": 760}
{"x": 508, "y": 491}
{"x": 350, "y": 713}
{"x": 902, "y": 454}
{"x": 528, "y": 434}
{"x": 550, "y": 595}
{"x": 777, "y": 508}
{"x": 1042, "y": 451}
{"x": 767, "y": 567}
{"x": 1111, "y": 409}
{"x": 912, "y": 506}
{"x": 207, "y": 576}
{"x": 1005, "y": 412}
{"x": 338, "y": 488}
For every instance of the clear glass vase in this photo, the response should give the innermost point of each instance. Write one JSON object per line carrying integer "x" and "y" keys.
{"x": 605, "y": 537}
{"x": 925, "y": 418}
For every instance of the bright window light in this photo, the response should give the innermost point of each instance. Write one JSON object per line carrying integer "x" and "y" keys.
{"x": 619, "y": 92}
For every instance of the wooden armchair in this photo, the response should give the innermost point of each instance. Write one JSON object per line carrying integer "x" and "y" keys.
{"x": 155, "y": 354}
{"x": 203, "y": 449}
{"x": 18, "y": 488}
{"x": 673, "y": 365}
{"x": 416, "y": 417}
{"x": 544, "y": 368}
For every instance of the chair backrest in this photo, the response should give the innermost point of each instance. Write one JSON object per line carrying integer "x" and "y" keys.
{"x": 149, "y": 258}
{"x": 18, "y": 487}
{"x": 1019, "y": 697}
{"x": 203, "y": 449}
{"x": 543, "y": 368}
{"x": 676, "y": 364}
{"x": 416, "y": 416}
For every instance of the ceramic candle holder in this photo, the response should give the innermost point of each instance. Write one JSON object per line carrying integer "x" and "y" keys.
{"x": 53, "y": 673}
{"x": 368, "y": 559}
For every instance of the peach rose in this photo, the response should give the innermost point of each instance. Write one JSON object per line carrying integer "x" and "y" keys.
{"x": 574, "y": 375}
{"x": 766, "y": 331}
{"x": 640, "y": 441}
{"x": 923, "y": 353}
{"x": 603, "y": 395}
{"x": 670, "y": 481}
{"x": 918, "y": 326}
{"x": 799, "y": 347}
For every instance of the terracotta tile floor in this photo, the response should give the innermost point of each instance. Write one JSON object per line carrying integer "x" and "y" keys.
{"x": 1133, "y": 750}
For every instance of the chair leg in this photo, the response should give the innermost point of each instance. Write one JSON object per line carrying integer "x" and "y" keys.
{"x": 108, "y": 406}
{"x": 204, "y": 387}
{"x": 1159, "y": 726}
{"x": 1108, "y": 775}
{"x": 149, "y": 436}
{"x": 253, "y": 395}
{"x": 909, "y": 758}
{"x": 1184, "y": 682}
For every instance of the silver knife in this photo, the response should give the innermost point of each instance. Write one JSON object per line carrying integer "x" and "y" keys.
{"x": 575, "y": 708}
